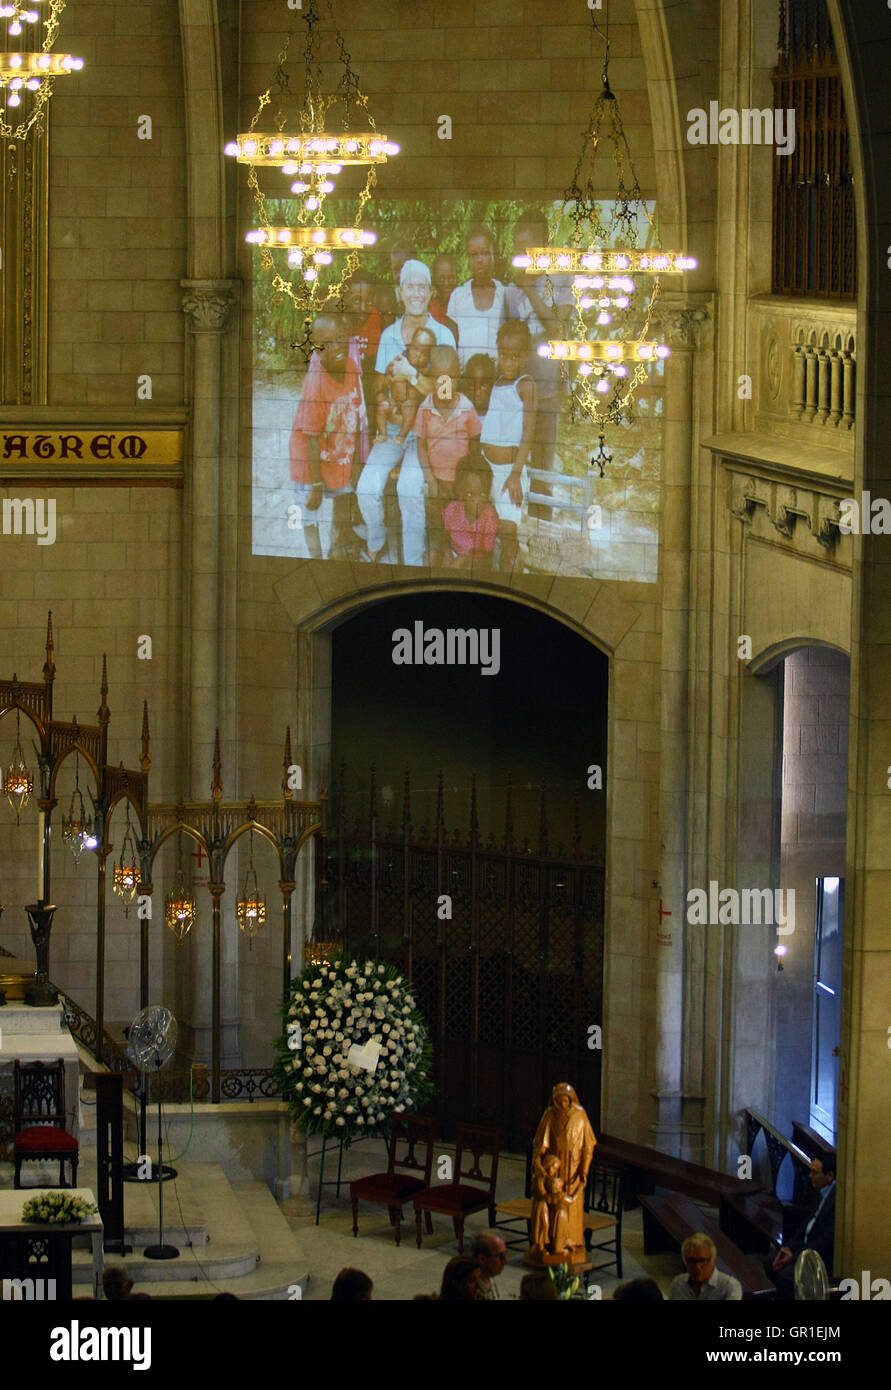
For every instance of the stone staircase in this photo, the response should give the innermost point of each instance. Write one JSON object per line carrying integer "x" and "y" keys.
{"x": 232, "y": 1236}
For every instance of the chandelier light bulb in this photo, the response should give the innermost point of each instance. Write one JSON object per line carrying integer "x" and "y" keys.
{"x": 322, "y": 257}
{"x": 299, "y": 187}
{"x": 586, "y": 369}
{"x": 602, "y": 386}
{"x": 604, "y": 318}
{"x": 15, "y": 28}
{"x": 14, "y": 99}
{"x": 310, "y": 274}
{"x": 586, "y": 303}
{"x": 521, "y": 262}
{"x": 313, "y": 203}
{"x": 663, "y": 350}
{"x": 231, "y": 148}
{"x": 326, "y": 186}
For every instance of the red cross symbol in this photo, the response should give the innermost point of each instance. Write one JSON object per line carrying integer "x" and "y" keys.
{"x": 663, "y": 912}
{"x": 200, "y": 856}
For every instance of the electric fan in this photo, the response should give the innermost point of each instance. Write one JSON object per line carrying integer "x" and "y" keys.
{"x": 811, "y": 1279}
{"x": 151, "y": 1043}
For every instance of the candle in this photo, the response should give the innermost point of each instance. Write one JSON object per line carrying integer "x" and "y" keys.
{"x": 41, "y": 823}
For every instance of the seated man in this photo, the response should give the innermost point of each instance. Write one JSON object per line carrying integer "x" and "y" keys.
{"x": 815, "y": 1230}
{"x": 702, "y": 1280}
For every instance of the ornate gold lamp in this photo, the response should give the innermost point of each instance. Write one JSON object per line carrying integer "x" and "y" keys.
{"x": 27, "y": 78}
{"x": 180, "y": 908}
{"x": 18, "y": 781}
{"x": 251, "y": 905}
{"x": 74, "y": 825}
{"x": 126, "y": 870}
{"x": 304, "y": 140}
{"x": 609, "y": 344}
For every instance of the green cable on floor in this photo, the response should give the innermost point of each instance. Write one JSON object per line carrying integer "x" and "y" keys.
{"x": 178, "y": 1156}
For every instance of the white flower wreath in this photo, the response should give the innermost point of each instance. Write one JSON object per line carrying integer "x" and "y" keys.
{"x": 354, "y": 1051}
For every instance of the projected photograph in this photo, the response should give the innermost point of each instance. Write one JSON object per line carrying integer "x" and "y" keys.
{"x": 424, "y": 427}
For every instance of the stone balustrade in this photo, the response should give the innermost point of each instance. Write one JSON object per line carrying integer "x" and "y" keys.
{"x": 806, "y": 354}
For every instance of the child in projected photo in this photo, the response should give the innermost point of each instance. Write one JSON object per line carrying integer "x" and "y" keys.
{"x": 408, "y": 382}
{"x": 326, "y": 440}
{"x": 365, "y": 317}
{"x": 470, "y": 520}
{"x": 445, "y": 425}
{"x": 508, "y": 428}
{"x": 477, "y": 306}
{"x": 478, "y": 380}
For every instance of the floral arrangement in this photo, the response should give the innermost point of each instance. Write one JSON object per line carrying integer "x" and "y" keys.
{"x": 57, "y": 1209}
{"x": 567, "y": 1284}
{"x": 355, "y": 1049}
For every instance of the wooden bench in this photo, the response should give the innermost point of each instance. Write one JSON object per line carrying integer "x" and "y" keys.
{"x": 752, "y": 1220}
{"x": 646, "y": 1169}
{"x": 667, "y": 1222}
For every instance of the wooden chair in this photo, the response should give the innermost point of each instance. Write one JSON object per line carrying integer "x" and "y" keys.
{"x": 393, "y": 1189}
{"x": 604, "y": 1196}
{"x": 516, "y": 1214}
{"x": 39, "y": 1119}
{"x": 456, "y": 1199}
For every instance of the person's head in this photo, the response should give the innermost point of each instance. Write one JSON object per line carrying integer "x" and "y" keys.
{"x": 822, "y": 1172}
{"x": 538, "y": 1287}
{"x": 530, "y": 229}
{"x": 418, "y": 350}
{"x": 640, "y": 1290}
{"x": 472, "y": 479}
{"x": 551, "y": 1165}
{"x": 479, "y": 378}
{"x": 445, "y": 277}
{"x": 399, "y": 389}
{"x": 400, "y": 252}
{"x": 514, "y": 342}
{"x": 116, "y": 1283}
{"x": 490, "y": 1253}
{"x": 460, "y": 1280}
{"x": 480, "y": 254}
{"x": 331, "y": 340}
{"x": 360, "y": 293}
{"x": 351, "y": 1286}
{"x": 415, "y": 288}
{"x": 698, "y": 1253}
{"x": 444, "y": 363}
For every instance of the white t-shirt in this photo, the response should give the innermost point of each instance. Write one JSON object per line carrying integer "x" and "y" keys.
{"x": 477, "y": 328}
{"x": 391, "y": 343}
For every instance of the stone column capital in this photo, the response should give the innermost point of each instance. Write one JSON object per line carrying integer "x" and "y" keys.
{"x": 209, "y": 303}
{"x": 681, "y": 319}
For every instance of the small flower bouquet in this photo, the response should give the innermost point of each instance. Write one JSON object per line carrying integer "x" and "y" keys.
{"x": 57, "y": 1209}
{"x": 355, "y": 1049}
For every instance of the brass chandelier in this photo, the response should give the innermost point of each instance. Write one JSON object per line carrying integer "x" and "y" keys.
{"x": 304, "y": 142}
{"x": 126, "y": 870}
{"x": 609, "y": 343}
{"x": 27, "y": 77}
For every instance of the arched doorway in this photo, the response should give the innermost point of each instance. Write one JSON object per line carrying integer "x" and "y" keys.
{"x": 485, "y": 883}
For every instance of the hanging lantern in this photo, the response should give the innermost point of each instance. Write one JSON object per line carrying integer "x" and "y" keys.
{"x": 74, "y": 825}
{"x": 180, "y": 908}
{"x": 126, "y": 870}
{"x": 251, "y": 905}
{"x": 18, "y": 783}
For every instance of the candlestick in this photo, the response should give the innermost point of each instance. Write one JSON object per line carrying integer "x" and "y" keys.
{"x": 41, "y": 825}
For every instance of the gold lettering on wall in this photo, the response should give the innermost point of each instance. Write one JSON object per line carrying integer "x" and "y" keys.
{"x": 80, "y": 450}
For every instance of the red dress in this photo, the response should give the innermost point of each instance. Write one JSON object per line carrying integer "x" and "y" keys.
{"x": 466, "y": 535}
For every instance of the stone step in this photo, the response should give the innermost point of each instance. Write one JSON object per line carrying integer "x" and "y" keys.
{"x": 240, "y": 1241}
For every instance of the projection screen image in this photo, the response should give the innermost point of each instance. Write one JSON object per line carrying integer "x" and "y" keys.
{"x": 419, "y": 424}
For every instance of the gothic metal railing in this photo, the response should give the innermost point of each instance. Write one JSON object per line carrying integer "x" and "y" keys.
{"x": 173, "y": 1083}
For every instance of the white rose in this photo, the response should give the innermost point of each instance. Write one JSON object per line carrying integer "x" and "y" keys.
{"x": 340, "y": 1120}
{"x": 330, "y": 1091}
{"x": 326, "y": 1052}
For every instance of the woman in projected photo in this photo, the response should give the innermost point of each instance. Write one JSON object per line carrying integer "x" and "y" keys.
{"x": 477, "y": 306}
{"x": 416, "y": 290}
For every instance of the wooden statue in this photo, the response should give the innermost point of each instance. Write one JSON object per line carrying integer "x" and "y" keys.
{"x": 561, "y": 1156}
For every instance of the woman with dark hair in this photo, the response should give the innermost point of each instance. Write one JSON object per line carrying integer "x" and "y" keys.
{"x": 477, "y": 306}
{"x": 351, "y": 1286}
{"x": 459, "y": 1281}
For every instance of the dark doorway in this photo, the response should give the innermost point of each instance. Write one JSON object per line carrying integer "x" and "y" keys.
{"x": 509, "y": 840}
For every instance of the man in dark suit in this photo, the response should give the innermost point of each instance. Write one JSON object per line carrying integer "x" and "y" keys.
{"x": 815, "y": 1230}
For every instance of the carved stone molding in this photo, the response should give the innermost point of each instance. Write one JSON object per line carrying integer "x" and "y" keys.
{"x": 785, "y": 505}
{"x": 209, "y": 303}
{"x": 681, "y": 320}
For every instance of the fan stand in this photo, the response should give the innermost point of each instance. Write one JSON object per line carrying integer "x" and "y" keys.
{"x": 160, "y": 1251}
{"x": 135, "y": 1171}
